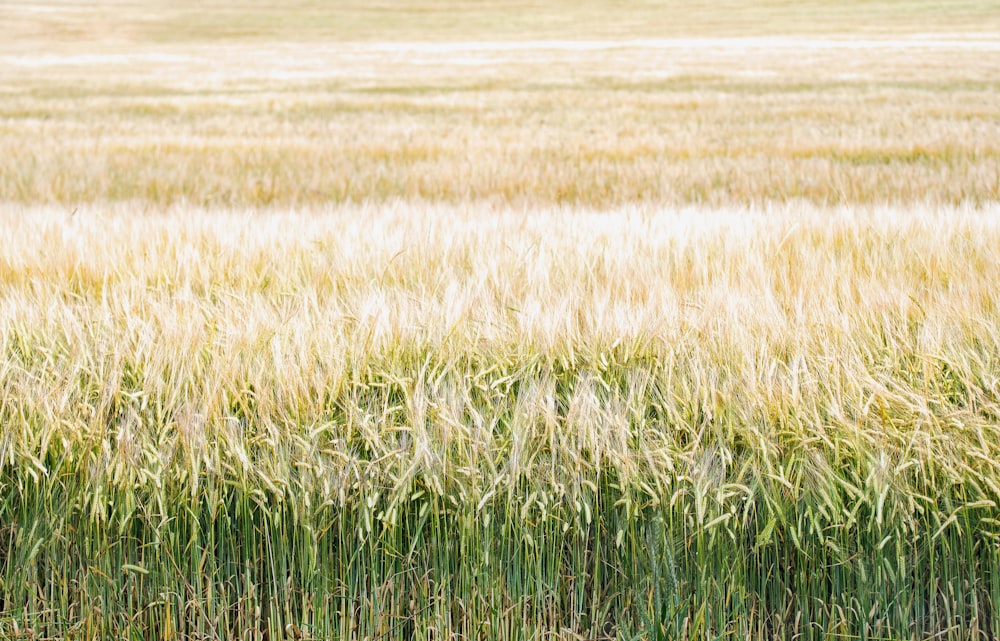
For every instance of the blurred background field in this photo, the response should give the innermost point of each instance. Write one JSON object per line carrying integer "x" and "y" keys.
{"x": 185, "y": 21}
{"x": 598, "y": 105}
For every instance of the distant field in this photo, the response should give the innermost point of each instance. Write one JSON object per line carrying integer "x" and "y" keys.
{"x": 423, "y": 421}
{"x": 69, "y": 22}
{"x": 592, "y": 104}
{"x": 826, "y": 120}
{"x": 461, "y": 320}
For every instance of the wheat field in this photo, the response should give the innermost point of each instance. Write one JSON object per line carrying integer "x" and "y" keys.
{"x": 826, "y": 119}
{"x": 448, "y": 320}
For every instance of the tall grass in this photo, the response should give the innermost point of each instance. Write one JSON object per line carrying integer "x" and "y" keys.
{"x": 419, "y": 421}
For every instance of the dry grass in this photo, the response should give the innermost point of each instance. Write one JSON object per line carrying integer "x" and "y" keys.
{"x": 204, "y": 306}
{"x": 714, "y": 122}
{"x": 136, "y": 22}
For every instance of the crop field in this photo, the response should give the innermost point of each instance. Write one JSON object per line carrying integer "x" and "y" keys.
{"x": 499, "y": 321}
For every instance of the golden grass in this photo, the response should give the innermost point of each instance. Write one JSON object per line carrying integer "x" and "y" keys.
{"x": 61, "y": 22}
{"x": 181, "y": 314}
{"x": 713, "y": 122}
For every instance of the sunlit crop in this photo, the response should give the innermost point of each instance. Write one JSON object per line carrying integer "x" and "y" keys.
{"x": 370, "y": 321}
{"x": 485, "y": 422}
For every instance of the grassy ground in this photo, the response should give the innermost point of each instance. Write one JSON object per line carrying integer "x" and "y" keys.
{"x": 467, "y": 320}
